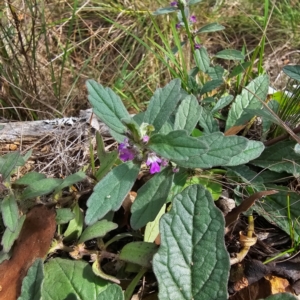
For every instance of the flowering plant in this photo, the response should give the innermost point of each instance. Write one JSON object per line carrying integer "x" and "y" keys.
{"x": 177, "y": 135}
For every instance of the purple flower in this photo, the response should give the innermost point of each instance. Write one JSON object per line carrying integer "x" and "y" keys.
{"x": 174, "y": 3}
{"x": 153, "y": 161}
{"x": 197, "y": 46}
{"x": 175, "y": 170}
{"x": 126, "y": 152}
{"x": 164, "y": 162}
{"x": 178, "y": 25}
{"x": 193, "y": 19}
{"x": 145, "y": 138}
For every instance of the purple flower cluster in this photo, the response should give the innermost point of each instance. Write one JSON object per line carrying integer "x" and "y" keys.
{"x": 174, "y": 3}
{"x": 129, "y": 152}
{"x": 126, "y": 151}
{"x": 197, "y": 46}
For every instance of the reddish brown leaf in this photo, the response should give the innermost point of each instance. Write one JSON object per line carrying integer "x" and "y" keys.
{"x": 33, "y": 242}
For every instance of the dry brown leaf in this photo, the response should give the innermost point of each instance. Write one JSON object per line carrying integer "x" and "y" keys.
{"x": 33, "y": 242}
{"x": 233, "y": 215}
{"x": 234, "y": 130}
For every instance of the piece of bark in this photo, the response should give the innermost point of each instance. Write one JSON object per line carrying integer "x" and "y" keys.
{"x": 33, "y": 242}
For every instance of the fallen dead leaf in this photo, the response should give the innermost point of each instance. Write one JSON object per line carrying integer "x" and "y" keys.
{"x": 33, "y": 242}
{"x": 234, "y": 130}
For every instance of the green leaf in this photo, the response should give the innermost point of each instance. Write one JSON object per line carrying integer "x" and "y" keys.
{"x": 140, "y": 253}
{"x": 252, "y": 151}
{"x": 152, "y": 228}
{"x": 203, "y": 152}
{"x": 107, "y": 159}
{"x": 187, "y": 114}
{"x": 133, "y": 128}
{"x": 76, "y": 280}
{"x": 210, "y": 28}
{"x": 230, "y": 54}
{"x": 10, "y": 212}
{"x": 207, "y": 121}
{"x": 150, "y": 198}
{"x": 281, "y": 296}
{"x": 268, "y": 120}
{"x": 239, "y": 69}
{"x": 245, "y": 174}
{"x": 162, "y": 104}
{"x": 99, "y": 229}
{"x": 113, "y": 291}
{"x": 41, "y": 187}
{"x": 292, "y": 71}
{"x": 192, "y": 2}
{"x": 202, "y": 59}
{"x": 192, "y": 235}
{"x": 32, "y": 283}
{"x": 223, "y": 102}
{"x": 274, "y": 209}
{"x": 4, "y": 256}
{"x": 110, "y": 192}
{"x": 7, "y": 163}
{"x": 280, "y": 157}
{"x": 107, "y": 106}
{"x": 165, "y": 10}
{"x": 9, "y": 236}
{"x": 210, "y": 86}
{"x": 70, "y": 180}
{"x": 250, "y": 98}
{"x": 97, "y": 270}
{"x": 75, "y": 226}
{"x": 29, "y": 178}
{"x": 207, "y": 180}
{"x": 216, "y": 72}
{"x": 64, "y": 215}
{"x": 178, "y": 183}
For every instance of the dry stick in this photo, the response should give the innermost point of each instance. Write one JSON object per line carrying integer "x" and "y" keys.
{"x": 281, "y": 137}
{"x": 287, "y": 128}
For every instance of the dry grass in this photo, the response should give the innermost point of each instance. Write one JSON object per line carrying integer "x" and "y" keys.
{"x": 49, "y": 49}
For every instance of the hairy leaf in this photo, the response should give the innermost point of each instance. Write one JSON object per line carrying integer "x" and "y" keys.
{"x": 150, "y": 198}
{"x": 41, "y": 187}
{"x": 162, "y": 104}
{"x": 140, "y": 253}
{"x": 210, "y": 86}
{"x": 64, "y": 215}
{"x": 207, "y": 121}
{"x": 99, "y": 229}
{"x": 113, "y": 291}
{"x": 206, "y": 151}
{"x": 280, "y": 157}
{"x": 9, "y": 236}
{"x": 10, "y": 212}
{"x": 110, "y": 192}
{"x": 107, "y": 106}
{"x": 250, "y": 98}
{"x": 188, "y": 114}
{"x": 76, "y": 280}
{"x": 292, "y": 71}
{"x": 32, "y": 283}
{"x": 230, "y": 54}
{"x": 202, "y": 59}
{"x": 165, "y": 10}
{"x": 223, "y": 102}
{"x": 210, "y": 28}
{"x": 192, "y": 261}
